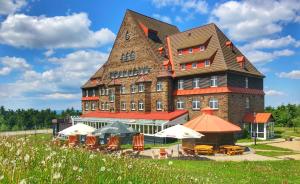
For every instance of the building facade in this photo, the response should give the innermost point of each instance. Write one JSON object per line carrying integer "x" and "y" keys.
{"x": 153, "y": 67}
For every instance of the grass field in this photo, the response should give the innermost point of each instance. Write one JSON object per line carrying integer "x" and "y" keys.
{"x": 34, "y": 160}
{"x": 287, "y": 132}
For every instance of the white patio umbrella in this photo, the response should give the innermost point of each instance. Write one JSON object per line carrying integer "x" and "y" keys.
{"x": 179, "y": 132}
{"x": 79, "y": 128}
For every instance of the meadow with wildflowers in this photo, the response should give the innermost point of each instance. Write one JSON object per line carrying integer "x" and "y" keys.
{"x": 33, "y": 159}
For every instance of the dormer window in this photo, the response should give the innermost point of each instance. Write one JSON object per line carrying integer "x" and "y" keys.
{"x": 123, "y": 57}
{"x": 202, "y": 47}
{"x": 180, "y": 52}
{"x": 206, "y": 63}
{"x": 194, "y": 65}
{"x": 132, "y": 55}
{"x": 127, "y": 56}
{"x": 182, "y": 66}
{"x": 190, "y": 50}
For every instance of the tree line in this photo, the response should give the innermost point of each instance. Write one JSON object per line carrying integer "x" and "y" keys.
{"x": 12, "y": 120}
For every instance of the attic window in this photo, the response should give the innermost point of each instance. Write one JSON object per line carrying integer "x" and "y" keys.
{"x": 127, "y": 35}
{"x": 241, "y": 61}
{"x": 229, "y": 44}
{"x": 152, "y": 34}
{"x": 202, "y": 47}
{"x": 180, "y": 52}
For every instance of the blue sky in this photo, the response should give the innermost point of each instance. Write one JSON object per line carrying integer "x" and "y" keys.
{"x": 49, "y": 48}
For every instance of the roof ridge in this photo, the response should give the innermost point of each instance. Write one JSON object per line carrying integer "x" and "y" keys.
{"x": 132, "y": 11}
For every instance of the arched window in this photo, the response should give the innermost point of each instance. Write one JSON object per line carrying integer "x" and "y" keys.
{"x": 123, "y": 57}
{"x": 127, "y": 56}
{"x": 127, "y": 35}
{"x": 132, "y": 55}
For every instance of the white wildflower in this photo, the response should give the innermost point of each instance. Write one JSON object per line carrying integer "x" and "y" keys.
{"x": 56, "y": 175}
{"x": 103, "y": 159}
{"x": 26, "y": 158}
{"x": 92, "y": 156}
{"x": 18, "y": 152}
{"x": 23, "y": 181}
{"x": 119, "y": 178}
{"x": 75, "y": 168}
{"x": 102, "y": 169}
{"x": 129, "y": 166}
{"x": 1, "y": 177}
{"x": 170, "y": 163}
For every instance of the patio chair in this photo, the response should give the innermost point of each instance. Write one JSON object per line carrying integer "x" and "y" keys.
{"x": 138, "y": 142}
{"x": 163, "y": 153}
{"x": 73, "y": 140}
{"x": 188, "y": 152}
{"x": 113, "y": 143}
{"x": 92, "y": 142}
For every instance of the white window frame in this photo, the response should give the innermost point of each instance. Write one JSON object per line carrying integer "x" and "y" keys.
{"x": 180, "y": 104}
{"x": 93, "y": 106}
{"x": 207, "y": 63}
{"x": 180, "y": 84}
{"x": 197, "y": 104}
{"x": 158, "y": 105}
{"x": 123, "y": 106}
{"x": 214, "y": 81}
{"x": 196, "y": 83}
{"x": 246, "y": 82}
{"x": 106, "y": 91}
{"x": 86, "y": 93}
{"x": 132, "y": 106}
{"x": 201, "y": 47}
{"x": 214, "y": 103}
{"x": 247, "y": 103}
{"x": 132, "y": 88}
{"x": 141, "y": 87}
{"x": 182, "y": 66}
{"x": 86, "y": 106}
{"x": 103, "y": 106}
{"x": 106, "y": 106}
{"x": 94, "y": 92}
{"x": 190, "y": 50}
{"x": 141, "y": 105}
{"x": 159, "y": 86}
{"x": 122, "y": 89}
{"x": 194, "y": 65}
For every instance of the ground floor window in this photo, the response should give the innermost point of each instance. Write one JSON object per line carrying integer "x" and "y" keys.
{"x": 158, "y": 105}
{"x": 141, "y": 105}
{"x": 123, "y": 106}
{"x": 196, "y": 104}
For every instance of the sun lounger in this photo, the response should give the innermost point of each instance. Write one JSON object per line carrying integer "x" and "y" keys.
{"x": 138, "y": 142}
{"x": 73, "y": 140}
{"x": 92, "y": 142}
{"x": 113, "y": 143}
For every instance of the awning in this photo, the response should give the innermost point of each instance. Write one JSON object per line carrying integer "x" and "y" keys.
{"x": 209, "y": 123}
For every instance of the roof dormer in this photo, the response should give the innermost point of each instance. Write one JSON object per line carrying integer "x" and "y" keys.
{"x": 241, "y": 61}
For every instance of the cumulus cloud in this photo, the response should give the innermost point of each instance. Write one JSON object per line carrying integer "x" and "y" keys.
{"x": 262, "y": 57}
{"x": 274, "y": 93}
{"x": 12, "y": 63}
{"x": 163, "y": 18}
{"x": 294, "y": 74}
{"x": 11, "y": 6}
{"x": 70, "y": 31}
{"x": 195, "y": 6}
{"x": 61, "y": 96}
{"x": 247, "y": 19}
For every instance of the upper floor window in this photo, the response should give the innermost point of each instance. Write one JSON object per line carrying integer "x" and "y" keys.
{"x": 93, "y": 106}
{"x": 127, "y": 56}
{"x": 94, "y": 92}
{"x": 196, "y": 104}
{"x": 141, "y": 87}
{"x": 206, "y": 63}
{"x": 247, "y": 103}
{"x": 182, "y": 66}
{"x": 159, "y": 86}
{"x": 86, "y": 93}
{"x": 141, "y": 105}
{"x": 106, "y": 106}
{"x": 132, "y": 88}
{"x": 196, "y": 82}
{"x": 214, "y": 103}
{"x": 180, "y": 84}
{"x": 246, "y": 82}
{"x": 194, "y": 65}
{"x": 158, "y": 105}
{"x": 86, "y": 106}
{"x": 122, "y": 89}
{"x": 103, "y": 106}
{"x": 180, "y": 104}
{"x": 106, "y": 91}
{"x": 112, "y": 97}
{"x": 202, "y": 47}
{"x": 190, "y": 50}
{"x": 180, "y": 52}
{"x": 214, "y": 81}
{"x": 127, "y": 35}
{"x": 132, "y": 106}
{"x": 132, "y": 55}
{"x": 123, "y": 106}
{"x": 123, "y": 57}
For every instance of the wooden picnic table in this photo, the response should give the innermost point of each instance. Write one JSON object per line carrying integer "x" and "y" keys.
{"x": 204, "y": 149}
{"x": 232, "y": 149}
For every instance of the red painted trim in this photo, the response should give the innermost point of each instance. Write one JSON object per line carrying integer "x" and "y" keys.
{"x": 90, "y": 98}
{"x": 218, "y": 90}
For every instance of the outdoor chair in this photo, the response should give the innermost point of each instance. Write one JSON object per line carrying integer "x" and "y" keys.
{"x": 73, "y": 140}
{"x": 92, "y": 142}
{"x": 138, "y": 142}
{"x": 113, "y": 143}
{"x": 163, "y": 153}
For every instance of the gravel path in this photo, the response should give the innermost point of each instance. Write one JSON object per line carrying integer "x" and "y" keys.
{"x": 293, "y": 145}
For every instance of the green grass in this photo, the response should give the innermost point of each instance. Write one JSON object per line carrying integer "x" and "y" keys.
{"x": 274, "y": 153}
{"x": 268, "y": 147}
{"x": 248, "y": 140}
{"x": 34, "y": 160}
{"x": 283, "y": 132}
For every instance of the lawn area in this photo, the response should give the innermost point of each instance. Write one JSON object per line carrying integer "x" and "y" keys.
{"x": 34, "y": 160}
{"x": 287, "y": 132}
{"x": 248, "y": 140}
{"x": 274, "y": 153}
{"x": 268, "y": 147}
{"x": 271, "y": 151}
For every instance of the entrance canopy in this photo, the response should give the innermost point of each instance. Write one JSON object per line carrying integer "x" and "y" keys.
{"x": 79, "y": 128}
{"x": 209, "y": 123}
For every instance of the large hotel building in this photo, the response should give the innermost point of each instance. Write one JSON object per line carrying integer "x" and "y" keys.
{"x": 157, "y": 76}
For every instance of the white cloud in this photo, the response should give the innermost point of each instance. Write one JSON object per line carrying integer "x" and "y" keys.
{"x": 49, "y": 52}
{"x": 11, "y": 6}
{"x": 12, "y": 63}
{"x": 190, "y": 6}
{"x": 267, "y": 43}
{"x": 295, "y": 74}
{"x": 178, "y": 19}
{"x": 274, "y": 93}
{"x": 163, "y": 18}
{"x": 261, "y": 57}
{"x": 62, "y": 96}
{"x": 252, "y": 19}
{"x": 70, "y": 31}
{"x": 69, "y": 74}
